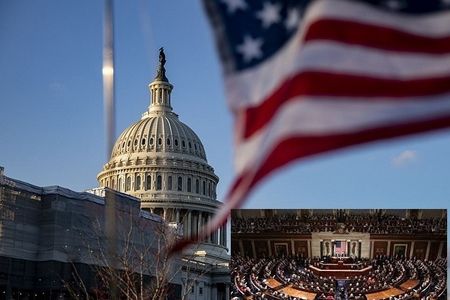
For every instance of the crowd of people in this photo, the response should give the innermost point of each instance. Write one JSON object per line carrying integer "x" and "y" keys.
{"x": 251, "y": 277}
{"x": 374, "y": 224}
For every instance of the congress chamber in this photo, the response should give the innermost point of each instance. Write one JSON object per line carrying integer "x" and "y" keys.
{"x": 339, "y": 254}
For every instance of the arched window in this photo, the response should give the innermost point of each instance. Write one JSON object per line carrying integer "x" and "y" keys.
{"x": 113, "y": 185}
{"x": 169, "y": 183}
{"x": 137, "y": 183}
{"x": 119, "y": 187}
{"x": 159, "y": 141}
{"x": 128, "y": 184}
{"x": 204, "y": 187}
{"x": 168, "y": 142}
{"x": 148, "y": 182}
{"x": 176, "y": 142}
{"x": 209, "y": 188}
{"x": 180, "y": 183}
{"x": 197, "y": 186}
{"x": 158, "y": 183}
{"x": 151, "y": 141}
{"x": 189, "y": 185}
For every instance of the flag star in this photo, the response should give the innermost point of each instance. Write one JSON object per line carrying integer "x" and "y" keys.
{"x": 270, "y": 14}
{"x": 250, "y": 48}
{"x": 394, "y": 4}
{"x": 293, "y": 18}
{"x": 234, "y": 5}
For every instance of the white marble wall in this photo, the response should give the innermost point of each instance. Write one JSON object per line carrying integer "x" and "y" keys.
{"x": 316, "y": 237}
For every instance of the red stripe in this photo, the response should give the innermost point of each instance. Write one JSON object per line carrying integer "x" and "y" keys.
{"x": 298, "y": 147}
{"x": 339, "y": 85}
{"x": 376, "y": 36}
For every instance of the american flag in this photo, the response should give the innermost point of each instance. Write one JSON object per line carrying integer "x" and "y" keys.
{"x": 340, "y": 248}
{"x": 305, "y": 77}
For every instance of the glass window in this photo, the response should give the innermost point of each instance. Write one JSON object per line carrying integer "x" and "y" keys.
{"x": 128, "y": 184}
{"x": 158, "y": 183}
{"x": 148, "y": 182}
{"x": 197, "y": 186}
{"x": 189, "y": 184}
{"x": 180, "y": 183}
{"x": 137, "y": 184}
{"x": 169, "y": 183}
{"x": 204, "y": 187}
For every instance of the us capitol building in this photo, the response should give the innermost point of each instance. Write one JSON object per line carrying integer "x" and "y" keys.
{"x": 161, "y": 161}
{"x": 157, "y": 174}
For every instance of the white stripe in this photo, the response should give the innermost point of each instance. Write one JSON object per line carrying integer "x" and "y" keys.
{"x": 317, "y": 116}
{"x": 252, "y": 86}
{"x": 358, "y": 60}
{"x": 430, "y": 25}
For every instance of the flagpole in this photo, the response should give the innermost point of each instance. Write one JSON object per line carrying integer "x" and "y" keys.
{"x": 109, "y": 115}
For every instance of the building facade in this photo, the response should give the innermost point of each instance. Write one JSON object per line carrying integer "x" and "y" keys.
{"x": 157, "y": 183}
{"x": 161, "y": 161}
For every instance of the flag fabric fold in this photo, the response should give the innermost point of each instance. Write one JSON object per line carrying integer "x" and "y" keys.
{"x": 307, "y": 77}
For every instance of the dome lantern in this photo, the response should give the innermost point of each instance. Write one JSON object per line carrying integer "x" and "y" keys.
{"x": 160, "y": 89}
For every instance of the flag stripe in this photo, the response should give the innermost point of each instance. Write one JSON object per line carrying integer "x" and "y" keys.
{"x": 376, "y": 36}
{"x": 337, "y": 57}
{"x": 341, "y": 86}
{"x": 432, "y": 24}
{"x": 324, "y": 115}
{"x": 329, "y": 55}
{"x": 297, "y": 147}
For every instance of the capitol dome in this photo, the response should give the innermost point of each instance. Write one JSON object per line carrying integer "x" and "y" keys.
{"x": 161, "y": 161}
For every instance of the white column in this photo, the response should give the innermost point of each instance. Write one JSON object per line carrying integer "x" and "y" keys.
{"x": 253, "y": 249}
{"x": 441, "y": 245}
{"x": 189, "y": 224}
{"x": 292, "y": 248}
{"x": 241, "y": 247}
{"x": 427, "y": 253}
{"x": 389, "y": 248}
{"x": 199, "y": 222}
{"x": 411, "y": 252}
{"x": 210, "y": 238}
{"x": 225, "y": 235}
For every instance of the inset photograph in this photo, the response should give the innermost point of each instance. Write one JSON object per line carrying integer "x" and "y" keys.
{"x": 339, "y": 254}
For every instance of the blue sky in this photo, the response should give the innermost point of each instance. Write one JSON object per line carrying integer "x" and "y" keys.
{"x": 51, "y": 111}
